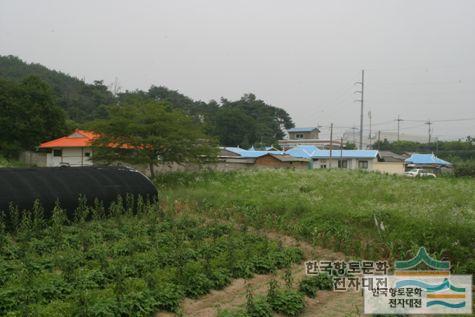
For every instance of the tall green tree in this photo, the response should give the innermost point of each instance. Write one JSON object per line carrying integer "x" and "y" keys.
{"x": 249, "y": 121}
{"x": 29, "y": 115}
{"x": 151, "y": 132}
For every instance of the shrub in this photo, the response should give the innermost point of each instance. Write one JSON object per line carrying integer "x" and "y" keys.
{"x": 465, "y": 168}
{"x": 309, "y": 285}
{"x": 258, "y": 307}
{"x": 288, "y": 302}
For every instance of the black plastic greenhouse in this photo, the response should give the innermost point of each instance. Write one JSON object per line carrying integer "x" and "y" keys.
{"x": 22, "y": 186}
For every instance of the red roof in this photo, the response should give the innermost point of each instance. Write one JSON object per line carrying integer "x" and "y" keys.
{"x": 79, "y": 138}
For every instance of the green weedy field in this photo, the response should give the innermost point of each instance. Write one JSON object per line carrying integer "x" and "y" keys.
{"x": 138, "y": 258}
{"x": 362, "y": 214}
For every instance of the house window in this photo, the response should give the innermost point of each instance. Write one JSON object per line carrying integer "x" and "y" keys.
{"x": 299, "y": 136}
{"x": 323, "y": 164}
{"x": 342, "y": 164}
{"x": 87, "y": 154}
{"x": 363, "y": 164}
{"x": 57, "y": 152}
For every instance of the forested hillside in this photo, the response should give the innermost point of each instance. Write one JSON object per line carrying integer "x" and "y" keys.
{"x": 81, "y": 101}
{"x": 244, "y": 122}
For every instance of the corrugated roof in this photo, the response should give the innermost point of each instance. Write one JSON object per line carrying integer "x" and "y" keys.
{"x": 306, "y": 152}
{"x": 303, "y": 129}
{"x": 251, "y": 153}
{"x": 79, "y": 138}
{"x": 288, "y": 158}
{"x": 346, "y": 154}
{"x": 389, "y": 156}
{"x": 303, "y": 151}
{"x": 428, "y": 159}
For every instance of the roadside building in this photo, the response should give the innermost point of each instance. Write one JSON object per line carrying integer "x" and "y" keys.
{"x": 428, "y": 162}
{"x": 390, "y": 163}
{"x": 349, "y": 159}
{"x": 281, "y": 161}
{"x": 370, "y": 160}
{"x": 261, "y": 159}
{"x": 305, "y": 136}
{"x": 71, "y": 150}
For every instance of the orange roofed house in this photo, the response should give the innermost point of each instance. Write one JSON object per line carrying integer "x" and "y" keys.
{"x": 72, "y": 150}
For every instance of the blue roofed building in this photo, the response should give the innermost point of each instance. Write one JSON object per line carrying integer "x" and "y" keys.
{"x": 427, "y": 161}
{"x": 296, "y": 157}
{"x": 369, "y": 160}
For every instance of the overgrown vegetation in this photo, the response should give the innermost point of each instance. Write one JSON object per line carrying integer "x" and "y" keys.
{"x": 367, "y": 215}
{"x": 124, "y": 261}
{"x": 464, "y": 168}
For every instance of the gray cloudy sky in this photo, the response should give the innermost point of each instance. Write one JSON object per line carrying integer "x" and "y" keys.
{"x": 303, "y": 56}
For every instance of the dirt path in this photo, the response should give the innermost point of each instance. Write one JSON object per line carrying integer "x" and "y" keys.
{"x": 327, "y": 303}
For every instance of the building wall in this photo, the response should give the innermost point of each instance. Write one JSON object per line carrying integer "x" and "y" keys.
{"x": 389, "y": 167}
{"x": 352, "y": 163}
{"x": 31, "y": 158}
{"x": 271, "y": 162}
{"x": 306, "y": 135}
{"x": 72, "y": 156}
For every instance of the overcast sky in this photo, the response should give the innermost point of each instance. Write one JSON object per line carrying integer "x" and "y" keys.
{"x": 303, "y": 56}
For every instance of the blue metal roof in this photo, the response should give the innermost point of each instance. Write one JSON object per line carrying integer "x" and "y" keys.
{"x": 346, "y": 154}
{"x": 306, "y": 151}
{"x": 303, "y": 151}
{"x": 302, "y": 129}
{"x": 426, "y": 159}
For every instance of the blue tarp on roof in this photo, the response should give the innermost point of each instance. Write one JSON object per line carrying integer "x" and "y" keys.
{"x": 426, "y": 159}
{"x": 302, "y": 129}
{"x": 251, "y": 153}
{"x": 346, "y": 154}
{"x": 303, "y": 151}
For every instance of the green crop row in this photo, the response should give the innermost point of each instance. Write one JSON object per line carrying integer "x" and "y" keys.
{"x": 127, "y": 262}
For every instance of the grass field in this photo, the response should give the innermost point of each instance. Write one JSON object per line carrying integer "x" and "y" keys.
{"x": 367, "y": 215}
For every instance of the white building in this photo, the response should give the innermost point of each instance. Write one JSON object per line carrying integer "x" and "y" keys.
{"x": 72, "y": 150}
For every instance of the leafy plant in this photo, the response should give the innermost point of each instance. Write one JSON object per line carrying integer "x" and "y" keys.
{"x": 288, "y": 302}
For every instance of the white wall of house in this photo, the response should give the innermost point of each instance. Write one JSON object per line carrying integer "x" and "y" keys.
{"x": 389, "y": 167}
{"x": 71, "y": 156}
{"x": 348, "y": 163}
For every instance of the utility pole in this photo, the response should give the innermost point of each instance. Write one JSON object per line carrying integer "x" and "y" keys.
{"x": 361, "y": 100}
{"x": 398, "y": 124}
{"x": 341, "y": 152}
{"x": 331, "y": 145}
{"x": 354, "y": 134}
{"x": 379, "y": 140}
{"x": 429, "y": 124}
{"x": 370, "y": 143}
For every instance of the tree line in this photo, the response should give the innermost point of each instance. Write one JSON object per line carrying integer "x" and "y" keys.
{"x": 39, "y": 104}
